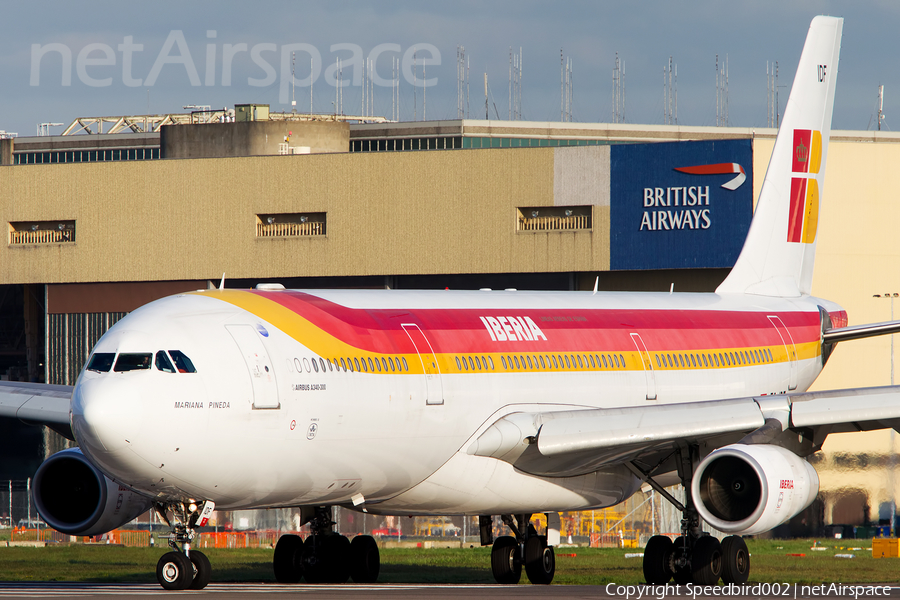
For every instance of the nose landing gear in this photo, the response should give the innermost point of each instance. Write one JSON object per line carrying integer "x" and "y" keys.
{"x": 527, "y": 549}
{"x": 694, "y": 557}
{"x": 325, "y": 556}
{"x": 183, "y": 569}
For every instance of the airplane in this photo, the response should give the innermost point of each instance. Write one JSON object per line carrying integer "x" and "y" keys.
{"x": 481, "y": 403}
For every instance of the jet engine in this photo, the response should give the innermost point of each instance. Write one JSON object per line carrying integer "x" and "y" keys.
{"x": 74, "y": 497}
{"x": 749, "y": 489}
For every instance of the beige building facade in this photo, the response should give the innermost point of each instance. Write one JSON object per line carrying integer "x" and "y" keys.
{"x": 161, "y": 225}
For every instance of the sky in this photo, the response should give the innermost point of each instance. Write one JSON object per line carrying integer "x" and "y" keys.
{"x": 63, "y": 60}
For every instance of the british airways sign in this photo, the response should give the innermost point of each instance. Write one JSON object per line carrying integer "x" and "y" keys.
{"x": 679, "y": 205}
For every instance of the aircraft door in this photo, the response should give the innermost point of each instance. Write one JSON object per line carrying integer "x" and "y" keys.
{"x": 434, "y": 389}
{"x": 259, "y": 365}
{"x": 788, "y": 340}
{"x": 648, "y": 366}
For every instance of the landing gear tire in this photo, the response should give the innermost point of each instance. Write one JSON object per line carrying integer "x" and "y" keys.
{"x": 680, "y": 574}
{"x": 540, "y": 561}
{"x": 506, "y": 567}
{"x": 735, "y": 560}
{"x": 706, "y": 561}
{"x": 202, "y": 570}
{"x": 658, "y": 560}
{"x": 174, "y": 571}
{"x": 314, "y": 559}
{"x": 288, "y": 559}
{"x": 365, "y": 561}
{"x": 337, "y": 558}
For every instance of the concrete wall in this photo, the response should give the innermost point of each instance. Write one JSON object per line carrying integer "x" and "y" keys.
{"x": 387, "y": 213}
{"x": 252, "y": 138}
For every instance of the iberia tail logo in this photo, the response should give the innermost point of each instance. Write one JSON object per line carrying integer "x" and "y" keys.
{"x": 806, "y": 159}
{"x": 718, "y": 169}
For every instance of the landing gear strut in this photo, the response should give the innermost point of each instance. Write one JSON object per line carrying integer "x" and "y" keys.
{"x": 527, "y": 549}
{"x": 695, "y": 556}
{"x": 325, "y": 556}
{"x": 183, "y": 568}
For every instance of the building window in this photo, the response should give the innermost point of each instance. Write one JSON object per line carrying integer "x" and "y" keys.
{"x": 553, "y": 218}
{"x": 290, "y": 225}
{"x": 23, "y": 233}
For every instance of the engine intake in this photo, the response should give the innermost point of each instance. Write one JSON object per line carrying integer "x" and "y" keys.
{"x": 74, "y": 497}
{"x": 750, "y": 489}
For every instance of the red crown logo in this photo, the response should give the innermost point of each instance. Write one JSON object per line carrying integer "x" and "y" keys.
{"x": 802, "y": 153}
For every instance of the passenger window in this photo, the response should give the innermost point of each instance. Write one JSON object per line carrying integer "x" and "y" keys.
{"x": 530, "y": 366}
{"x": 458, "y": 366}
{"x": 391, "y": 362}
{"x": 355, "y": 363}
{"x": 734, "y": 362}
{"x": 364, "y": 367}
{"x": 315, "y": 365}
{"x": 580, "y": 365}
{"x": 138, "y": 361}
{"x": 478, "y": 363}
{"x": 182, "y": 362}
{"x": 471, "y": 364}
{"x": 681, "y": 360}
{"x": 330, "y": 368}
{"x": 703, "y": 356}
{"x": 491, "y": 362}
{"x": 384, "y": 364}
{"x": 617, "y": 360}
{"x": 306, "y": 365}
{"x": 503, "y": 360}
{"x": 542, "y": 362}
{"x": 555, "y": 366}
{"x": 371, "y": 366}
{"x": 657, "y": 361}
{"x": 343, "y": 365}
{"x": 517, "y": 362}
{"x": 568, "y": 364}
{"x": 163, "y": 363}
{"x": 101, "y": 362}
{"x": 591, "y": 356}
{"x": 297, "y": 365}
{"x": 603, "y": 356}
{"x": 465, "y": 364}
{"x": 716, "y": 356}
{"x": 322, "y": 363}
{"x": 405, "y": 366}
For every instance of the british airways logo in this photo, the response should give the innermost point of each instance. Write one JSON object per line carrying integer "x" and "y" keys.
{"x": 512, "y": 329}
{"x": 691, "y": 200}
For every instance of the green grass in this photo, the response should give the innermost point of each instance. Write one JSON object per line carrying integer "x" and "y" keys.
{"x": 770, "y": 563}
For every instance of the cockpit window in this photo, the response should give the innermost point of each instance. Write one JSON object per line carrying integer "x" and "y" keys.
{"x": 101, "y": 362}
{"x": 163, "y": 363}
{"x": 182, "y": 362}
{"x": 136, "y": 361}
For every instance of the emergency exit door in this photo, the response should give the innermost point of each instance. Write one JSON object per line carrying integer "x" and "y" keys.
{"x": 259, "y": 365}
{"x": 434, "y": 389}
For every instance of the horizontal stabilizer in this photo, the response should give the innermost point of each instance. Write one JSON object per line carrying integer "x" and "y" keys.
{"x": 858, "y": 332}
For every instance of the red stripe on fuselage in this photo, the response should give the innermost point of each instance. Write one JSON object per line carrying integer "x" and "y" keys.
{"x": 566, "y": 330}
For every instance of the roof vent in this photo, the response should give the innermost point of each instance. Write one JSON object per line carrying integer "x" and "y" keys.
{"x": 269, "y": 286}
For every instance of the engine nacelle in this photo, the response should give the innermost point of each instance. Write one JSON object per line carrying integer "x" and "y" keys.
{"x": 74, "y": 497}
{"x": 750, "y": 489}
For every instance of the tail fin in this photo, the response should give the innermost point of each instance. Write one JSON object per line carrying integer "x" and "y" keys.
{"x": 778, "y": 255}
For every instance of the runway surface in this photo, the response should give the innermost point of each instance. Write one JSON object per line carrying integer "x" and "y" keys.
{"x": 227, "y": 591}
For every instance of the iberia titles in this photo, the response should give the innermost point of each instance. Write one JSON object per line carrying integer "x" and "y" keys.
{"x": 512, "y": 329}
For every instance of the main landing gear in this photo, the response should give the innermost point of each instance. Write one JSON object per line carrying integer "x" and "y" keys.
{"x": 325, "y": 556}
{"x": 183, "y": 569}
{"x": 527, "y": 549}
{"x": 694, "y": 557}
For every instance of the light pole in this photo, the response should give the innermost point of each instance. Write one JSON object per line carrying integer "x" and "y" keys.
{"x": 891, "y": 296}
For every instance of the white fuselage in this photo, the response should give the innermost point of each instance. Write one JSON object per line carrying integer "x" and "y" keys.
{"x": 257, "y": 426}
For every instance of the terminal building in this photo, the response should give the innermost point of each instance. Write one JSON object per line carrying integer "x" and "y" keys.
{"x": 102, "y": 222}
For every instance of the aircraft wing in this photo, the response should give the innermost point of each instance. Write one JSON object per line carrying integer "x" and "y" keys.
{"x": 573, "y": 442}
{"x": 37, "y": 404}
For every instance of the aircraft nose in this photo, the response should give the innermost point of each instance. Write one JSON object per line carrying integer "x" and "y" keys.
{"x": 106, "y": 413}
